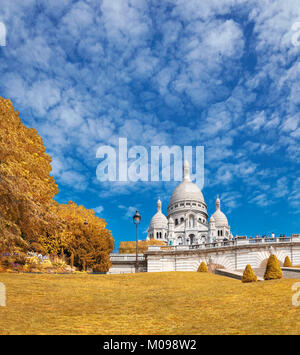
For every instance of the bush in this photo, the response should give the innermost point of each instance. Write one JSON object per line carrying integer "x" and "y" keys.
{"x": 20, "y": 258}
{"x": 59, "y": 263}
{"x": 46, "y": 264}
{"x": 202, "y": 267}
{"x": 249, "y": 275}
{"x": 99, "y": 268}
{"x": 273, "y": 270}
{"x": 287, "y": 262}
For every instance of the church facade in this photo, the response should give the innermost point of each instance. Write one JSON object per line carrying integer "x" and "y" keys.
{"x": 187, "y": 221}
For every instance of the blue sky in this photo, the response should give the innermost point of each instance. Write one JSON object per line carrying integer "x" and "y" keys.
{"x": 220, "y": 73}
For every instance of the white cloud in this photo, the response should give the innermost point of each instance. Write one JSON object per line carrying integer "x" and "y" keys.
{"x": 99, "y": 209}
{"x": 258, "y": 121}
{"x": 86, "y": 73}
{"x": 261, "y": 200}
{"x": 129, "y": 211}
{"x": 73, "y": 179}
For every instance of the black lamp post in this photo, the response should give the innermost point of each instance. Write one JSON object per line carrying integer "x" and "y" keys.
{"x": 136, "y": 220}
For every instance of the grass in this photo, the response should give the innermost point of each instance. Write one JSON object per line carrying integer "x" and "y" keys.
{"x": 146, "y": 303}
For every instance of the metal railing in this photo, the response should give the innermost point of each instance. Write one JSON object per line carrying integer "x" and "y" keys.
{"x": 116, "y": 256}
{"x": 126, "y": 257}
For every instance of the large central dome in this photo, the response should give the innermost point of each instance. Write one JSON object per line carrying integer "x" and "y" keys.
{"x": 186, "y": 190}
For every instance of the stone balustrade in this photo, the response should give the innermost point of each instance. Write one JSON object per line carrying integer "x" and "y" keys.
{"x": 229, "y": 243}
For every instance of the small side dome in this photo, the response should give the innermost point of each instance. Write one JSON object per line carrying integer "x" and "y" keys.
{"x": 219, "y": 216}
{"x": 159, "y": 220}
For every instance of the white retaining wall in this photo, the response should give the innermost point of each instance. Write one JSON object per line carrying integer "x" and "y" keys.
{"x": 231, "y": 257}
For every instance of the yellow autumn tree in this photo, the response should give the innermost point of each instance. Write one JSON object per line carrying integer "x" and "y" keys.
{"x": 29, "y": 216}
{"x": 287, "y": 262}
{"x": 26, "y": 187}
{"x": 82, "y": 237}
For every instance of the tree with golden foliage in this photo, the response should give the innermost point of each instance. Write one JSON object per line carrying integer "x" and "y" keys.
{"x": 26, "y": 187}
{"x": 273, "y": 270}
{"x": 202, "y": 267}
{"x": 249, "y": 275}
{"x": 287, "y": 262}
{"x": 83, "y": 237}
{"x": 30, "y": 219}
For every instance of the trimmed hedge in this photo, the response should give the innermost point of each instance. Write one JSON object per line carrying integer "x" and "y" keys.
{"x": 273, "y": 270}
{"x": 249, "y": 275}
{"x": 202, "y": 267}
{"x": 130, "y": 247}
{"x": 287, "y": 262}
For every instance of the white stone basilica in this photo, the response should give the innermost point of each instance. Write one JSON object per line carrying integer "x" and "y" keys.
{"x": 187, "y": 218}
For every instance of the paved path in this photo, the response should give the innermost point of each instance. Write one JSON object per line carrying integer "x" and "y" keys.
{"x": 235, "y": 274}
{"x": 286, "y": 274}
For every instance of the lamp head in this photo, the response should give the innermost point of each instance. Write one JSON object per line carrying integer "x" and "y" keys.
{"x": 137, "y": 218}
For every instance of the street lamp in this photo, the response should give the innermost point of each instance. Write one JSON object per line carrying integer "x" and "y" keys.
{"x": 136, "y": 220}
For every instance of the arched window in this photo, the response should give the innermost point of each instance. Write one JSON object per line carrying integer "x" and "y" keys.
{"x": 181, "y": 219}
{"x": 176, "y": 222}
{"x": 191, "y": 238}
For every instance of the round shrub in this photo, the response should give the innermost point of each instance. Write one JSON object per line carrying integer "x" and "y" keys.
{"x": 273, "y": 270}
{"x": 202, "y": 267}
{"x": 249, "y": 275}
{"x": 287, "y": 262}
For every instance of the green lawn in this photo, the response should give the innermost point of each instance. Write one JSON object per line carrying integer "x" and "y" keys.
{"x": 147, "y": 303}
